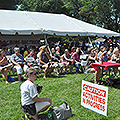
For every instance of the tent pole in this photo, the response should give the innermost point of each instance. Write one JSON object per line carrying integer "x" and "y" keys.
{"x": 74, "y": 42}
{"x": 90, "y": 41}
{"x": 45, "y": 36}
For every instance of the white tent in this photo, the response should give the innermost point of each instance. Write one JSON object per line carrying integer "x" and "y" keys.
{"x": 37, "y": 23}
{"x": 99, "y": 40}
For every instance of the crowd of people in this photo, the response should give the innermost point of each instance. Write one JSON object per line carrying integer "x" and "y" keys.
{"x": 51, "y": 60}
{"x": 55, "y": 60}
{"x": 107, "y": 52}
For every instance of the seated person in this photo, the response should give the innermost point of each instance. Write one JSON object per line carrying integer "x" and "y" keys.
{"x": 110, "y": 53}
{"x": 104, "y": 56}
{"x": 30, "y": 63}
{"x": 57, "y": 63}
{"x": 52, "y": 50}
{"x": 18, "y": 61}
{"x": 30, "y": 102}
{"x": 67, "y": 60}
{"x": 91, "y": 59}
{"x": 115, "y": 55}
{"x": 44, "y": 58}
{"x": 73, "y": 49}
{"x": 58, "y": 55}
{"x": 26, "y": 52}
{"x": 89, "y": 69}
{"x": 77, "y": 62}
{"x": 4, "y": 66}
{"x": 115, "y": 58}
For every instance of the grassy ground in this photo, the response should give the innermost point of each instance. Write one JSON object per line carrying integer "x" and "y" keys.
{"x": 67, "y": 88}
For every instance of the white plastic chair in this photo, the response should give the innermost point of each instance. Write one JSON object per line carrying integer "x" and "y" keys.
{"x": 84, "y": 57}
{"x": 8, "y": 58}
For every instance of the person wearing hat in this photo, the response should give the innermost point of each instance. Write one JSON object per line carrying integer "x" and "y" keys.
{"x": 44, "y": 58}
{"x": 18, "y": 61}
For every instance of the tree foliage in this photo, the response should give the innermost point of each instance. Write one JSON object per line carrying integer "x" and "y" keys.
{"x": 9, "y": 4}
{"x": 102, "y": 13}
{"x": 49, "y": 6}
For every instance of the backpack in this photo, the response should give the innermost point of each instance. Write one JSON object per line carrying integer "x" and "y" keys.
{"x": 9, "y": 79}
{"x": 62, "y": 112}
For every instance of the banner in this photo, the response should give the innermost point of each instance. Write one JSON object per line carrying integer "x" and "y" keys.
{"x": 94, "y": 97}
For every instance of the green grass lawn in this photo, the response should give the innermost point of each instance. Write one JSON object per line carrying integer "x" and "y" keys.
{"x": 67, "y": 88}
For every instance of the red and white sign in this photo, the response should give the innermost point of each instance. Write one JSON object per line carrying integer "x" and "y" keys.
{"x": 94, "y": 97}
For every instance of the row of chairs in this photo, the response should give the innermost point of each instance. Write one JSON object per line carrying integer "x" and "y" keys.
{"x": 30, "y": 61}
{"x": 35, "y": 64}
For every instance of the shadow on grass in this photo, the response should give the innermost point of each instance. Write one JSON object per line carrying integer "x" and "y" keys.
{"x": 43, "y": 116}
{"x": 115, "y": 83}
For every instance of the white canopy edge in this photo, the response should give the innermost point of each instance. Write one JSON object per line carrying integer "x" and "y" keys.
{"x": 27, "y": 23}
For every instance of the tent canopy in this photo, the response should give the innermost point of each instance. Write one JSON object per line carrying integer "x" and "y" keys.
{"x": 99, "y": 40}
{"x": 27, "y": 23}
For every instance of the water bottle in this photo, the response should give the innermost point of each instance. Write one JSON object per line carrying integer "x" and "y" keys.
{"x": 49, "y": 116}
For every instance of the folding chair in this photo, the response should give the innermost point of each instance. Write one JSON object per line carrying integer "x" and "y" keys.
{"x": 37, "y": 66}
{"x": 84, "y": 63}
{"x": 84, "y": 57}
{"x": 109, "y": 76}
{"x": 8, "y": 58}
{"x": 12, "y": 70}
{"x": 29, "y": 61}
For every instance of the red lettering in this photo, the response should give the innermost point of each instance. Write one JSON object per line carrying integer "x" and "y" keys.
{"x": 103, "y": 108}
{"x": 103, "y": 101}
{"x": 83, "y": 100}
{"x": 95, "y": 105}
{"x": 84, "y": 87}
{"x": 84, "y": 94}
{"x": 94, "y": 97}
{"x": 94, "y": 90}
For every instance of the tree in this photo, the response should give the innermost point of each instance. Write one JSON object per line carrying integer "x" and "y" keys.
{"x": 73, "y": 7}
{"x": 49, "y": 6}
{"x": 116, "y": 14}
{"x": 102, "y": 13}
{"x": 98, "y": 12}
{"x": 9, "y": 4}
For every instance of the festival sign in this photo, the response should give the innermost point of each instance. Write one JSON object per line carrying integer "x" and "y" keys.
{"x": 94, "y": 97}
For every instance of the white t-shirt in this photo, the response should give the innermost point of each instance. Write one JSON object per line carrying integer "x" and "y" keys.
{"x": 28, "y": 92}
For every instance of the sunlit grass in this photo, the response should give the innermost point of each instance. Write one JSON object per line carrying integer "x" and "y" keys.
{"x": 67, "y": 88}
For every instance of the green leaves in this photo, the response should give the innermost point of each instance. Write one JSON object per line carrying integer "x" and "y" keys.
{"x": 9, "y": 4}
